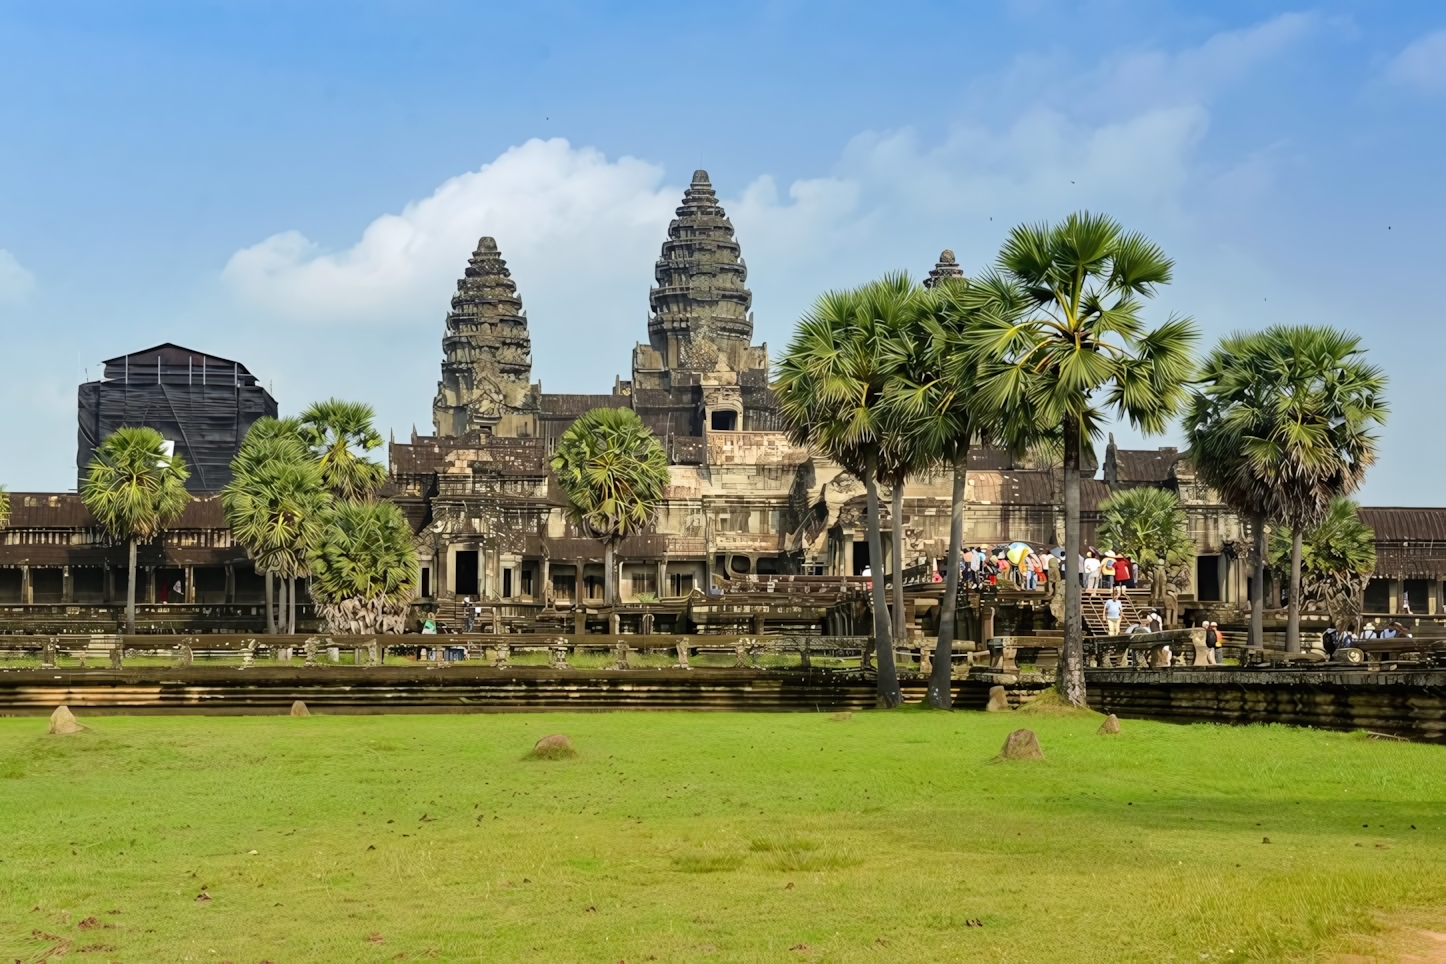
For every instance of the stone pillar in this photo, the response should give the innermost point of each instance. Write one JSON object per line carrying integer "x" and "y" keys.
{"x": 150, "y": 595}
{"x": 108, "y": 584}
{"x": 230, "y": 585}
{"x": 986, "y": 624}
{"x": 544, "y": 591}
{"x": 1395, "y": 604}
{"x": 848, "y": 553}
{"x": 67, "y": 586}
{"x": 190, "y": 584}
{"x": 577, "y": 587}
{"x": 579, "y": 620}
{"x": 662, "y": 578}
{"x": 27, "y": 591}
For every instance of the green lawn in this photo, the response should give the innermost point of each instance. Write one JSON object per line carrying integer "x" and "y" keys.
{"x": 681, "y": 837}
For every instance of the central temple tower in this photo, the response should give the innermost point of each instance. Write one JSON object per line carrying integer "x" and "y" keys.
{"x": 699, "y": 370}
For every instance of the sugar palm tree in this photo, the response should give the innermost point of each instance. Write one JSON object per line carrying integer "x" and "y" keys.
{"x": 363, "y": 568}
{"x": 1301, "y": 402}
{"x": 612, "y": 470}
{"x": 934, "y": 398}
{"x": 1148, "y": 525}
{"x": 1337, "y": 556}
{"x": 340, "y": 434}
{"x": 1218, "y": 416}
{"x": 830, "y": 386}
{"x": 134, "y": 486}
{"x": 1069, "y": 343}
{"x": 275, "y": 505}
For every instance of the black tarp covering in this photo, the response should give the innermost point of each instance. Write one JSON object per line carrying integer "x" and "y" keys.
{"x": 202, "y": 403}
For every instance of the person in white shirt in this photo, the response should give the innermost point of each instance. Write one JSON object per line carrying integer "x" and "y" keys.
{"x": 1091, "y": 572}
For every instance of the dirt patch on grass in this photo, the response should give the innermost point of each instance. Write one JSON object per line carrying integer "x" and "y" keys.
{"x": 1402, "y": 939}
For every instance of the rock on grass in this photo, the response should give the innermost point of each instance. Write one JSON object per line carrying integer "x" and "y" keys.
{"x": 62, "y": 721}
{"x": 554, "y": 747}
{"x": 1022, "y": 745}
{"x": 299, "y": 709}
{"x": 1111, "y": 725}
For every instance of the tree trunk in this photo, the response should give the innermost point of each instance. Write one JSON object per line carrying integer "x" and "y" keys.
{"x": 291, "y": 604}
{"x": 1071, "y": 664}
{"x": 889, "y": 694}
{"x": 1292, "y": 613}
{"x": 610, "y": 575}
{"x": 941, "y": 695}
{"x": 131, "y": 590}
{"x": 896, "y": 562}
{"x": 1257, "y": 581}
{"x": 270, "y": 605}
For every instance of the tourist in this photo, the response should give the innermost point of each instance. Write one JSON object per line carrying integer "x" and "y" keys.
{"x": 468, "y": 619}
{"x": 1091, "y": 572}
{"x": 1124, "y": 572}
{"x": 1212, "y": 640}
{"x": 178, "y": 591}
{"x": 1387, "y": 632}
{"x": 1330, "y": 641}
{"x": 1107, "y": 571}
{"x": 1405, "y": 602}
{"x": 429, "y": 627}
{"x": 1157, "y": 625}
{"x": 1142, "y": 626}
{"x": 1114, "y": 610}
{"x": 1369, "y": 632}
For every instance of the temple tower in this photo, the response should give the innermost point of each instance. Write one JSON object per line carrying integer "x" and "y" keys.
{"x": 487, "y": 352}
{"x": 699, "y": 310}
{"x": 947, "y": 267}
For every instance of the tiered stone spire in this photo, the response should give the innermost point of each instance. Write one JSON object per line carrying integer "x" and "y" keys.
{"x": 946, "y": 268}
{"x": 699, "y": 311}
{"x": 487, "y": 352}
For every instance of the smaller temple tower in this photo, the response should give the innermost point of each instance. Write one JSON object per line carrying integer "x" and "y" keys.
{"x": 946, "y": 268}
{"x": 487, "y": 351}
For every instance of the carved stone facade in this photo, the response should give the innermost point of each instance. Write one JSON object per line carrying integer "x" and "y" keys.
{"x": 487, "y": 351}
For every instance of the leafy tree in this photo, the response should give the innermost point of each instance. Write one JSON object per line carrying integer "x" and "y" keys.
{"x": 1337, "y": 557}
{"x": 1285, "y": 418}
{"x": 340, "y": 434}
{"x": 1067, "y": 342}
{"x": 134, "y": 487}
{"x": 1148, "y": 525}
{"x": 364, "y": 569}
{"x": 830, "y": 386}
{"x": 275, "y": 505}
{"x": 612, "y": 470}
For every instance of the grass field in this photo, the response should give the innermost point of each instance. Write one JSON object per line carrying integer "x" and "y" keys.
{"x": 708, "y": 837}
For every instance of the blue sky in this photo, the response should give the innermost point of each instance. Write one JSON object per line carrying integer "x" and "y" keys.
{"x": 298, "y": 185}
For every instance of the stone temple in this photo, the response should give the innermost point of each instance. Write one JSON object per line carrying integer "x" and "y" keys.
{"x": 743, "y": 502}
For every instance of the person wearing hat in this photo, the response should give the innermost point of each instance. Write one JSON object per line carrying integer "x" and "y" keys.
{"x": 1369, "y": 632}
{"x": 1107, "y": 571}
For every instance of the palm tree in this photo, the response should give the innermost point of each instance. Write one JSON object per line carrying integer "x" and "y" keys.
{"x": 134, "y": 486}
{"x": 1298, "y": 405}
{"x": 830, "y": 385}
{"x": 1336, "y": 558}
{"x": 340, "y": 433}
{"x": 274, "y": 506}
{"x": 1067, "y": 341}
{"x": 612, "y": 470}
{"x": 1148, "y": 525}
{"x": 934, "y": 399}
{"x": 364, "y": 569}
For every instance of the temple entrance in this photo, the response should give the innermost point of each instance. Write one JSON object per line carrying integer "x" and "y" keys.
{"x": 723, "y": 420}
{"x": 465, "y": 572}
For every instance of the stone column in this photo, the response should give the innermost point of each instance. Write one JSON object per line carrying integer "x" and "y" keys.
{"x": 1394, "y": 605}
{"x": 150, "y": 595}
{"x": 190, "y": 584}
{"x": 544, "y": 591}
{"x": 27, "y": 591}
{"x": 230, "y": 585}
{"x": 848, "y": 553}
{"x": 986, "y": 624}
{"x": 67, "y": 586}
{"x": 107, "y": 584}
{"x": 577, "y": 588}
{"x": 662, "y": 577}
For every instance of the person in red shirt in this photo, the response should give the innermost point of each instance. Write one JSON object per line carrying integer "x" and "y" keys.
{"x": 1124, "y": 572}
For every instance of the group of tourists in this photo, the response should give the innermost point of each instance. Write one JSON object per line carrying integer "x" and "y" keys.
{"x": 1017, "y": 563}
{"x": 1106, "y": 571}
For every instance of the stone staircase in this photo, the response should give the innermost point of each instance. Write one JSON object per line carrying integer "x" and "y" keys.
{"x": 1092, "y": 611}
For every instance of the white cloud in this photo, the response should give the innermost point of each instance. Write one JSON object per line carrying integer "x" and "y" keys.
{"x": 560, "y": 215}
{"x": 1422, "y": 64}
{"x": 15, "y": 281}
